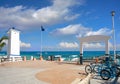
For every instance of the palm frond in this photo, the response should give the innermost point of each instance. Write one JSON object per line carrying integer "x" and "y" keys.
{"x": 2, "y": 45}
{"x": 3, "y": 38}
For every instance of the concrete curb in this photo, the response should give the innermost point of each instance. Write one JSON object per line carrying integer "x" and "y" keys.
{"x": 84, "y": 81}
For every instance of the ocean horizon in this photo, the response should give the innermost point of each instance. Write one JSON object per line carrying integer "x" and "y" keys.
{"x": 64, "y": 54}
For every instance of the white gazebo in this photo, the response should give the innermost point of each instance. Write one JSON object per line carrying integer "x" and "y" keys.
{"x": 94, "y": 38}
{"x": 13, "y": 44}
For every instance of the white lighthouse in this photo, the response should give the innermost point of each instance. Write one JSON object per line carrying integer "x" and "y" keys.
{"x": 13, "y": 44}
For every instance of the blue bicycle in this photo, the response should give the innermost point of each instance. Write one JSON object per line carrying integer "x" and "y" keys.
{"x": 110, "y": 72}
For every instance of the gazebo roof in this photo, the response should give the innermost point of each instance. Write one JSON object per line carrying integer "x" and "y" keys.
{"x": 95, "y": 38}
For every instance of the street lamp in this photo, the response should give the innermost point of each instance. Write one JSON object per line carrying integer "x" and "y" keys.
{"x": 114, "y": 40}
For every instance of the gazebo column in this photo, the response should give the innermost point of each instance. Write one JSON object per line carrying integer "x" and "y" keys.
{"x": 107, "y": 47}
{"x": 81, "y": 53}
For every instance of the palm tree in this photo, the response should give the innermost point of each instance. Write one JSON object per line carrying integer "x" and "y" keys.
{"x": 2, "y": 44}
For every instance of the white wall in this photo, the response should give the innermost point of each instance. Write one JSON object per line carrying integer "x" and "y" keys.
{"x": 13, "y": 43}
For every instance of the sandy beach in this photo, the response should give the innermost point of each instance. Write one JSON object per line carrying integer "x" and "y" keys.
{"x": 45, "y": 72}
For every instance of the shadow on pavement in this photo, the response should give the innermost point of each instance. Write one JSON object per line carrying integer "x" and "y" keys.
{"x": 116, "y": 81}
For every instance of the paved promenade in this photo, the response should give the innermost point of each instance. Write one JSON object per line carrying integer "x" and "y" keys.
{"x": 98, "y": 80}
{"x": 40, "y": 72}
{"x": 25, "y": 73}
{"x": 10, "y": 75}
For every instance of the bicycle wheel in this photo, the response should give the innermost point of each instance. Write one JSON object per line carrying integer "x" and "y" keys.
{"x": 110, "y": 70}
{"x": 97, "y": 68}
{"x": 88, "y": 69}
{"x": 115, "y": 71}
{"x": 105, "y": 74}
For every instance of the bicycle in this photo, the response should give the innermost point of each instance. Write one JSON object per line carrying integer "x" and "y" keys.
{"x": 92, "y": 68}
{"x": 109, "y": 72}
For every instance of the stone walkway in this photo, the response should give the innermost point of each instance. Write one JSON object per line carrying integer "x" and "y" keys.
{"x": 10, "y": 75}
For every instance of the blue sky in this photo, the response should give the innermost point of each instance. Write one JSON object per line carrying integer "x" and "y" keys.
{"x": 65, "y": 21}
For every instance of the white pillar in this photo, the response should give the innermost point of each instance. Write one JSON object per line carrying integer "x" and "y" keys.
{"x": 13, "y": 43}
{"x": 81, "y": 47}
{"x": 107, "y": 47}
{"x": 81, "y": 52}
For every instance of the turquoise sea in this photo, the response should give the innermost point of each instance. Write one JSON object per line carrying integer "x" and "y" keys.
{"x": 64, "y": 54}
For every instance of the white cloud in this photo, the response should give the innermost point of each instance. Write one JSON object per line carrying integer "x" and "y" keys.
{"x": 25, "y": 45}
{"x": 80, "y": 31}
{"x": 86, "y": 46}
{"x": 67, "y": 18}
{"x": 102, "y": 31}
{"x": 71, "y": 30}
{"x": 68, "y": 45}
{"x": 93, "y": 45}
{"x": 23, "y": 17}
{"x": 98, "y": 46}
{"x": 22, "y": 44}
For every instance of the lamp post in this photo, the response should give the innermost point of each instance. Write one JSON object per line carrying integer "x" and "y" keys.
{"x": 114, "y": 40}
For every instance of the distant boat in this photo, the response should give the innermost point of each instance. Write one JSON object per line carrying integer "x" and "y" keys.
{"x": 73, "y": 55}
{"x": 56, "y": 56}
{"x": 75, "y": 59}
